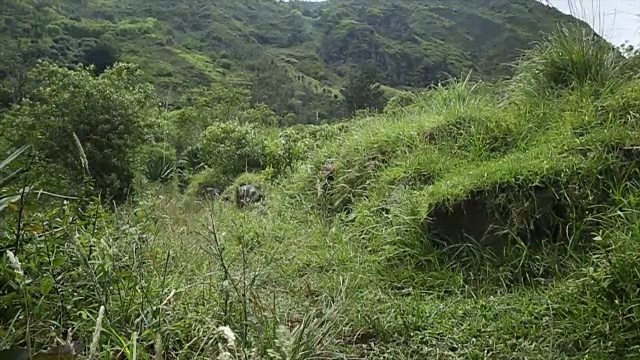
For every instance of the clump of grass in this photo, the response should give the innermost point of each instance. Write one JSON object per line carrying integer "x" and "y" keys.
{"x": 573, "y": 57}
{"x": 343, "y": 170}
{"x": 207, "y": 180}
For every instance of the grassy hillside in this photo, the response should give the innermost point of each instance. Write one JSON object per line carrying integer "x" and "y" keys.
{"x": 296, "y": 55}
{"x": 471, "y": 221}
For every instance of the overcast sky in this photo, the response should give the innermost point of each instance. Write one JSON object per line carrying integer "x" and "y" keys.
{"x": 617, "y": 20}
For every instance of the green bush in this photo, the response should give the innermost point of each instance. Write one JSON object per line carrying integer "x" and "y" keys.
{"x": 400, "y": 101}
{"x": 259, "y": 115}
{"x": 232, "y": 148}
{"x": 111, "y": 116}
{"x": 187, "y": 126}
{"x": 158, "y": 162}
{"x": 254, "y": 179}
{"x": 283, "y": 151}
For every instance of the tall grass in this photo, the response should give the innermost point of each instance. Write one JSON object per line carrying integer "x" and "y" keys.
{"x": 571, "y": 58}
{"x": 373, "y": 247}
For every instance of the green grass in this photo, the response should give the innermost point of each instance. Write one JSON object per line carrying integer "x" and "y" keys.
{"x": 468, "y": 225}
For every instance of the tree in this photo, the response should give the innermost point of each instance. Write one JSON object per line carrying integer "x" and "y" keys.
{"x": 363, "y": 92}
{"x": 260, "y": 115}
{"x": 202, "y": 107}
{"x": 101, "y": 55}
{"x": 109, "y": 115}
{"x": 298, "y": 30}
{"x": 16, "y": 58}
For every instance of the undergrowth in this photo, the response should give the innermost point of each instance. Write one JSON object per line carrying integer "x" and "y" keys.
{"x": 468, "y": 225}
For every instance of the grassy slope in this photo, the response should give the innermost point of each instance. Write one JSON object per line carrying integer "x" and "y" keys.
{"x": 401, "y": 295}
{"x": 373, "y": 262}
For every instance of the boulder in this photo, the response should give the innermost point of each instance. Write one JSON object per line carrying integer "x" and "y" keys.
{"x": 209, "y": 193}
{"x": 248, "y": 194}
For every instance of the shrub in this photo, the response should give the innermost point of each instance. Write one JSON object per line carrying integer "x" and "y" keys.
{"x": 286, "y": 149}
{"x": 158, "y": 162}
{"x": 187, "y": 126}
{"x": 110, "y": 115}
{"x": 232, "y": 148}
{"x": 259, "y": 115}
{"x": 400, "y": 101}
{"x": 209, "y": 178}
{"x": 254, "y": 179}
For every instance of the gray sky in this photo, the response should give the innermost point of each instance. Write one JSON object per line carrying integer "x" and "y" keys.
{"x": 617, "y": 20}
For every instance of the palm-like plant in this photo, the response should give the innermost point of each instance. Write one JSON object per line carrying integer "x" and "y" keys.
{"x": 7, "y": 197}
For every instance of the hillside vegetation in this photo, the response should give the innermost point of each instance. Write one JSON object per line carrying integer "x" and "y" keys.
{"x": 297, "y": 56}
{"x": 471, "y": 220}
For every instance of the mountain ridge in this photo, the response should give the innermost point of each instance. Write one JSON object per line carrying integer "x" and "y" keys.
{"x": 296, "y": 55}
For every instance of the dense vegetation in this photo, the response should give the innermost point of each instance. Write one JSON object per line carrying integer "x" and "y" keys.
{"x": 473, "y": 219}
{"x": 296, "y": 56}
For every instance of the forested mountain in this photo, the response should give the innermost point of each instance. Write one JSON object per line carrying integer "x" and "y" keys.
{"x": 293, "y": 56}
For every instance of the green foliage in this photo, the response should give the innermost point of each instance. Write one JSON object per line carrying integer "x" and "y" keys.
{"x": 8, "y": 178}
{"x": 203, "y": 108}
{"x": 399, "y": 102}
{"x": 232, "y": 148}
{"x": 110, "y": 115}
{"x": 298, "y": 27}
{"x": 253, "y": 179}
{"x": 221, "y": 101}
{"x": 296, "y": 55}
{"x": 363, "y": 92}
{"x": 187, "y": 126}
{"x": 284, "y": 151}
{"x": 15, "y": 61}
{"x": 260, "y": 115}
{"x": 530, "y": 171}
{"x": 101, "y": 56}
{"x": 632, "y": 54}
{"x": 462, "y": 222}
{"x": 158, "y": 162}
{"x": 205, "y": 180}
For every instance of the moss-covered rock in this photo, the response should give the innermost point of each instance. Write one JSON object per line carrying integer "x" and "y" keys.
{"x": 247, "y": 189}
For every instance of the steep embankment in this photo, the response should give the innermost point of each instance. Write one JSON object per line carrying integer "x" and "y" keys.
{"x": 489, "y": 223}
